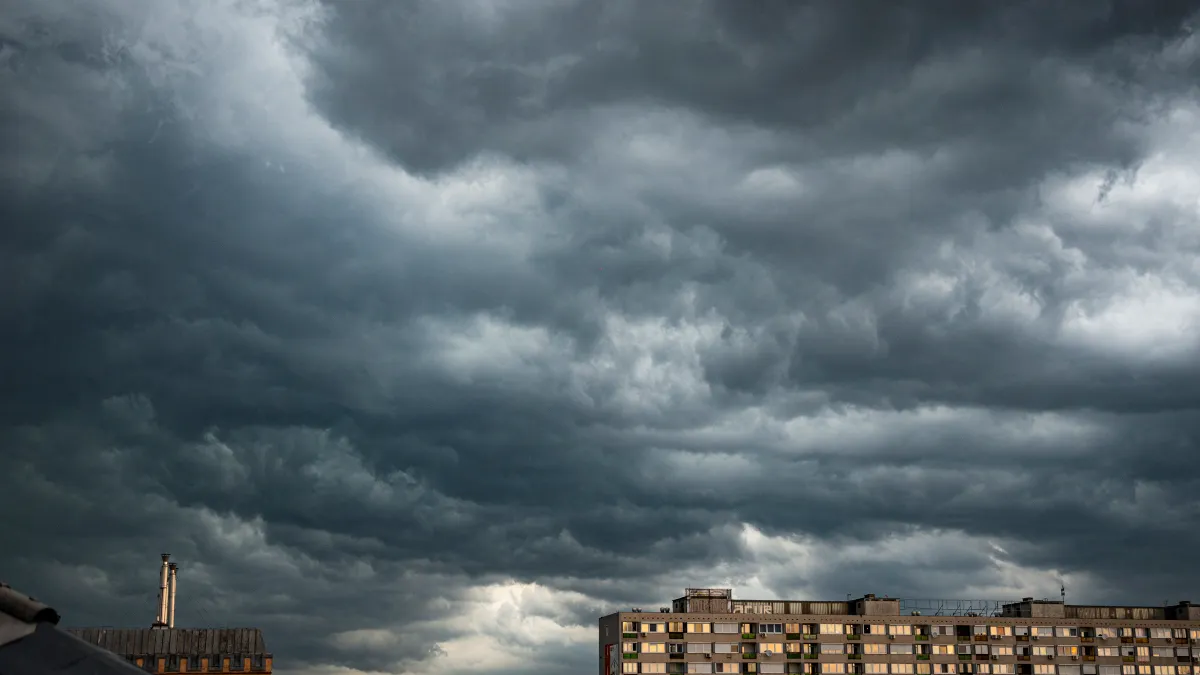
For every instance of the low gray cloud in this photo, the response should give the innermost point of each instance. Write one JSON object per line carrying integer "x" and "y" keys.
{"x": 422, "y": 333}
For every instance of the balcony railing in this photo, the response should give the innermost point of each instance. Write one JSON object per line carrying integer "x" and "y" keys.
{"x": 853, "y": 636}
{"x": 628, "y": 635}
{"x": 1022, "y": 657}
{"x": 964, "y": 638}
{"x": 747, "y": 636}
{"x": 810, "y": 655}
{"x": 921, "y": 638}
{"x": 628, "y": 655}
{"x": 922, "y": 657}
{"x": 794, "y": 655}
{"x": 1022, "y": 638}
{"x": 749, "y": 655}
{"x": 981, "y": 638}
{"x": 1086, "y": 638}
{"x": 854, "y": 657}
{"x": 811, "y": 636}
{"x": 793, "y": 636}
{"x": 964, "y": 657}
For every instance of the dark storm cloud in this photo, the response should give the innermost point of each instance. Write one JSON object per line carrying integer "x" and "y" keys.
{"x": 668, "y": 269}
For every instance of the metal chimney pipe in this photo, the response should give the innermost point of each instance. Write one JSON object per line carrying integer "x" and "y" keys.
{"x": 171, "y": 595}
{"x": 161, "y": 619}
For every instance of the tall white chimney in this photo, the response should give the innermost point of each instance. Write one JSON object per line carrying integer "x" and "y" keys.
{"x": 161, "y": 619}
{"x": 171, "y": 595}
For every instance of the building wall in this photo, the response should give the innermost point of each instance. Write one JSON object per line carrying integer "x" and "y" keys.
{"x": 987, "y": 651}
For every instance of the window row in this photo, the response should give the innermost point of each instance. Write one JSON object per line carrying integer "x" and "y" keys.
{"x": 903, "y": 669}
{"x": 879, "y": 648}
{"x": 978, "y": 630}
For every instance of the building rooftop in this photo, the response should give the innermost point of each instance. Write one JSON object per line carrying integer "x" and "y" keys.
{"x": 31, "y": 643}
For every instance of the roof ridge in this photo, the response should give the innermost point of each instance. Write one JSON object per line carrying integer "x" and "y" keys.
{"x": 25, "y": 608}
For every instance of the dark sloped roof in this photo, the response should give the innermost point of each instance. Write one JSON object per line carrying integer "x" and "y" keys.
{"x": 34, "y": 645}
{"x": 133, "y": 642}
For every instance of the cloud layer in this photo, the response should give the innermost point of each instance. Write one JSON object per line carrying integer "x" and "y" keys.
{"x": 423, "y": 333}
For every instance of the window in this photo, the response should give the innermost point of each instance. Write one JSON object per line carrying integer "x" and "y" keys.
{"x": 1043, "y": 669}
{"x": 748, "y": 628}
{"x": 1066, "y": 631}
{"x": 1182, "y": 651}
{"x": 1043, "y": 631}
{"x": 792, "y": 647}
{"x": 874, "y": 648}
{"x": 1110, "y": 670}
{"x": 1043, "y": 650}
{"x": 725, "y": 628}
{"x": 1106, "y": 632}
{"x": 654, "y": 667}
{"x": 1162, "y": 652}
{"x": 700, "y": 667}
{"x": 1143, "y": 653}
{"x": 1128, "y": 670}
{"x": 1164, "y": 670}
{"x": 770, "y": 667}
{"x": 699, "y": 628}
{"x": 875, "y": 668}
{"x": 1194, "y": 634}
{"x": 791, "y": 628}
{"x": 1068, "y": 670}
{"x": 831, "y": 629}
{"x": 904, "y": 668}
{"x": 1020, "y": 630}
{"x": 1068, "y": 650}
{"x": 941, "y": 668}
{"x": 981, "y": 649}
{"x": 898, "y": 648}
{"x": 1107, "y": 651}
{"x": 773, "y": 647}
{"x": 983, "y": 668}
{"x": 654, "y": 647}
{"x": 943, "y": 630}
{"x": 1000, "y": 631}
{"x": 899, "y": 629}
{"x": 699, "y": 647}
{"x": 1002, "y": 650}
{"x": 770, "y": 628}
{"x": 629, "y": 647}
{"x": 875, "y": 629}
{"x": 1125, "y": 631}
{"x": 655, "y": 627}
{"x": 629, "y": 627}
{"x": 1002, "y": 669}
{"x": 979, "y": 630}
{"x": 727, "y": 667}
{"x": 833, "y": 648}
{"x": 675, "y": 647}
{"x": 674, "y": 626}
{"x": 923, "y": 669}
{"x": 943, "y": 649}
{"x": 833, "y": 668}
{"x": 1179, "y": 633}
{"x": 725, "y": 647}
{"x": 629, "y": 667}
{"x": 1141, "y": 632}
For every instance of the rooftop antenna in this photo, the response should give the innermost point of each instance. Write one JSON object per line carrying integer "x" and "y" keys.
{"x": 1062, "y": 589}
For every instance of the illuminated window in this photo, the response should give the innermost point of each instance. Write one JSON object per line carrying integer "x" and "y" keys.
{"x": 628, "y": 667}
{"x": 899, "y": 629}
{"x": 831, "y": 629}
{"x": 833, "y": 668}
{"x": 699, "y": 628}
{"x": 654, "y": 647}
{"x": 875, "y": 668}
{"x": 654, "y": 667}
{"x": 902, "y": 668}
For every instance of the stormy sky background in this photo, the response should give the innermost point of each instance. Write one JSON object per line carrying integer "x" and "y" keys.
{"x": 422, "y": 333}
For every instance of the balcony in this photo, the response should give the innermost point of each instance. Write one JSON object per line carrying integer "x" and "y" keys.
{"x": 964, "y": 657}
{"x": 810, "y": 655}
{"x": 981, "y": 657}
{"x": 1181, "y": 641}
{"x": 629, "y": 635}
{"x": 795, "y": 655}
{"x": 922, "y": 657}
{"x": 853, "y": 636}
{"x": 749, "y": 655}
{"x": 628, "y": 655}
{"x": 747, "y": 636}
{"x": 1141, "y": 640}
{"x": 674, "y": 636}
{"x": 1086, "y": 638}
{"x": 964, "y": 638}
{"x": 1022, "y": 657}
{"x": 854, "y": 657}
{"x": 1088, "y": 658}
{"x": 981, "y": 638}
{"x": 1126, "y": 640}
{"x": 793, "y": 636}
{"x": 1127, "y": 659}
{"x": 676, "y": 655}
{"x": 921, "y": 638}
{"x": 811, "y": 636}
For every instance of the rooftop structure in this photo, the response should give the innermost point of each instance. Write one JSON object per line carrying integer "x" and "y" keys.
{"x": 708, "y": 631}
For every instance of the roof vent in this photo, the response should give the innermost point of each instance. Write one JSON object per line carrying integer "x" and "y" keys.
{"x": 22, "y": 607}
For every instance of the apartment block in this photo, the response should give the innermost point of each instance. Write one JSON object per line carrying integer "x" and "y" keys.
{"x": 707, "y": 631}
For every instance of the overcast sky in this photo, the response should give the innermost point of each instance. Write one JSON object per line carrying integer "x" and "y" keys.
{"x": 424, "y": 333}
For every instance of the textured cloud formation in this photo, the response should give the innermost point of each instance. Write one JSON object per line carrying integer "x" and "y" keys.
{"x": 422, "y": 333}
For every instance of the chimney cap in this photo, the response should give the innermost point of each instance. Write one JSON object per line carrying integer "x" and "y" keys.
{"x": 166, "y": 557}
{"x": 173, "y": 566}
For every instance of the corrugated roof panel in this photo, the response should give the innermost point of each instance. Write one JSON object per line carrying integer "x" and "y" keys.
{"x": 132, "y": 642}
